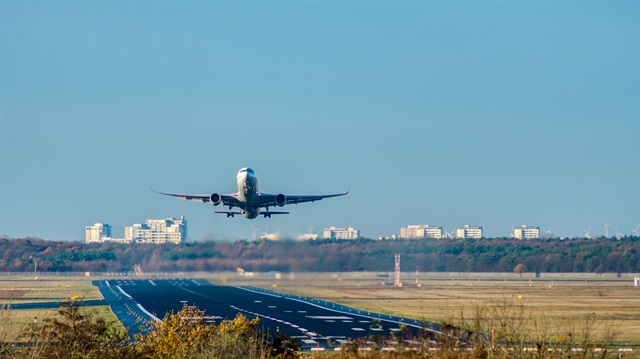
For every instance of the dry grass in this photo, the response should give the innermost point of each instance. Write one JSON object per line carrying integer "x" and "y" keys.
{"x": 48, "y": 289}
{"x": 45, "y": 289}
{"x": 561, "y": 306}
{"x": 15, "y": 322}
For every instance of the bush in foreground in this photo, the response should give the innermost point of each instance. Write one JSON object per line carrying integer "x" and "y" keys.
{"x": 186, "y": 334}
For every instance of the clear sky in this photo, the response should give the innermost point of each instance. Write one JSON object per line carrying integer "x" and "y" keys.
{"x": 489, "y": 113}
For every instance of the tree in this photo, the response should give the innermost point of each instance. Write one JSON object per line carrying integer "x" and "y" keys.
{"x": 178, "y": 335}
{"x": 186, "y": 334}
{"x": 519, "y": 269}
{"x": 74, "y": 334}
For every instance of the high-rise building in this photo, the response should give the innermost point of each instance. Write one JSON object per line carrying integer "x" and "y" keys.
{"x": 469, "y": 232}
{"x": 158, "y": 231}
{"x": 526, "y": 232}
{"x": 421, "y": 231}
{"x": 97, "y": 233}
{"x": 341, "y": 233}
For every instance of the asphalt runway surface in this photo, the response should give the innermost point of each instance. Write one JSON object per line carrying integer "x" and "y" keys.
{"x": 316, "y": 324}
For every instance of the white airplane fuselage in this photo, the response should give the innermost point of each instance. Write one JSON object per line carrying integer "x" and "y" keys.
{"x": 248, "y": 192}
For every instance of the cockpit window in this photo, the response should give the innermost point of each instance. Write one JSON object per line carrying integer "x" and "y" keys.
{"x": 246, "y": 170}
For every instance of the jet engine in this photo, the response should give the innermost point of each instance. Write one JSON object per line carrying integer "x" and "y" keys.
{"x": 216, "y": 199}
{"x": 280, "y": 200}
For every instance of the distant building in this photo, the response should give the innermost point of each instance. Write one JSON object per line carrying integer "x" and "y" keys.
{"x": 526, "y": 232}
{"x": 420, "y": 231}
{"x": 97, "y": 233}
{"x": 270, "y": 236}
{"x": 469, "y": 232}
{"x": 158, "y": 231}
{"x": 153, "y": 231}
{"x": 307, "y": 236}
{"x": 340, "y": 233}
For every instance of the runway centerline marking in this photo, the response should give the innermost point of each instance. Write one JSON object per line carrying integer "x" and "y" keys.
{"x": 303, "y": 330}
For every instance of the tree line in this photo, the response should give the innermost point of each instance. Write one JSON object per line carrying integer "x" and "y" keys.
{"x": 450, "y": 255}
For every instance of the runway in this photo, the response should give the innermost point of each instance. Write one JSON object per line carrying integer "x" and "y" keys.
{"x": 317, "y": 324}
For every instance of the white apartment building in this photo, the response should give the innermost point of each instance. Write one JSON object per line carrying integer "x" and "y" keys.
{"x": 420, "y": 231}
{"x": 340, "y": 233}
{"x": 526, "y": 232}
{"x": 469, "y": 232}
{"x": 97, "y": 233}
{"x": 158, "y": 231}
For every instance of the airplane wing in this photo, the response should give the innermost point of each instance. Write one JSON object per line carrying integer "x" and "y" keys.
{"x": 271, "y": 200}
{"x": 228, "y": 200}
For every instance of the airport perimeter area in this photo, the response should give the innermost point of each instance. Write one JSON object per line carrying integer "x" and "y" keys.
{"x": 562, "y": 303}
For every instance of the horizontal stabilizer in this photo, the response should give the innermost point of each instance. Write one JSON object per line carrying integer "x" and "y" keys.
{"x": 230, "y": 213}
{"x": 268, "y": 214}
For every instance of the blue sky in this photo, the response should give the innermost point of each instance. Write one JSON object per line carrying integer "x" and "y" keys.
{"x": 444, "y": 113}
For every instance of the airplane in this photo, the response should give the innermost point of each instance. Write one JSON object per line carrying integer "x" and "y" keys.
{"x": 249, "y": 199}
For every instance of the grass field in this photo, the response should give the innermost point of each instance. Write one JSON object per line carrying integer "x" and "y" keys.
{"x": 561, "y": 307}
{"x": 45, "y": 289}
{"x": 15, "y": 290}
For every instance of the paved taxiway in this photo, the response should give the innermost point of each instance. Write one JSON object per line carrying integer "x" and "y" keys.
{"x": 316, "y": 324}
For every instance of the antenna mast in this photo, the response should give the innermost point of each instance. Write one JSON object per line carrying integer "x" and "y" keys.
{"x": 398, "y": 282}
